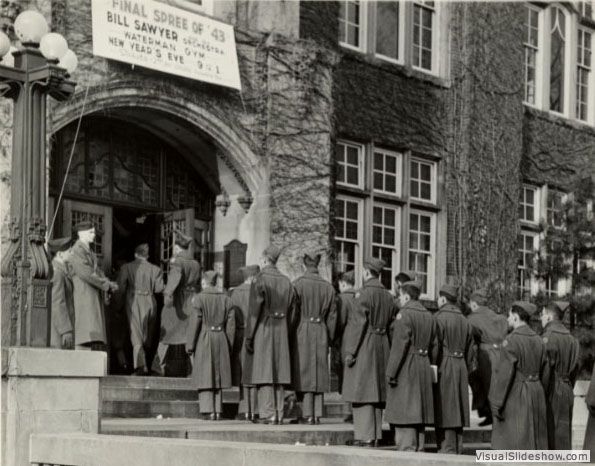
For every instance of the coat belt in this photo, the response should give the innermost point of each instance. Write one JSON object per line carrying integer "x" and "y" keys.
{"x": 377, "y": 330}
{"x": 216, "y": 328}
{"x": 418, "y": 351}
{"x": 527, "y": 377}
{"x": 314, "y": 320}
{"x": 453, "y": 353}
{"x": 142, "y": 292}
{"x": 489, "y": 346}
{"x": 276, "y": 315}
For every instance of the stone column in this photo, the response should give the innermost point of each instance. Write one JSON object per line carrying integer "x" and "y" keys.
{"x": 46, "y": 391}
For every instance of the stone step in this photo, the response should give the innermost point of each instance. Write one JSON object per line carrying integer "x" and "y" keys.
{"x": 329, "y": 432}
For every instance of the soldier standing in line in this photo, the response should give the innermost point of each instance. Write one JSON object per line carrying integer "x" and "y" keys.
{"x": 489, "y": 330}
{"x": 211, "y": 330}
{"x": 272, "y": 298}
{"x": 366, "y": 353}
{"x": 410, "y": 405}
{"x": 313, "y": 329}
{"x": 241, "y": 362}
{"x": 183, "y": 281}
{"x": 562, "y": 350}
{"x": 88, "y": 282}
{"x": 453, "y": 354}
{"x": 62, "y": 299}
{"x": 345, "y": 311}
{"x": 516, "y": 394}
{"x": 138, "y": 281}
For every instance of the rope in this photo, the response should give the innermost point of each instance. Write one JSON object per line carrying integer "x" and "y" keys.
{"x": 76, "y": 135}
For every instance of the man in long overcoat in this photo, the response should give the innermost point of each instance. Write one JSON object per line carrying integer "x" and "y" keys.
{"x": 517, "y": 395}
{"x": 88, "y": 282}
{"x": 489, "y": 330}
{"x": 345, "y": 308}
{"x": 241, "y": 361}
{"x": 62, "y": 300}
{"x": 312, "y": 331}
{"x": 562, "y": 350}
{"x": 409, "y": 405}
{"x": 211, "y": 330}
{"x": 183, "y": 281}
{"x": 453, "y": 354}
{"x": 138, "y": 281}
{"x": 272, "y": 299}
{"x": 366, "y": 346}
{"x": 589, "y": 443}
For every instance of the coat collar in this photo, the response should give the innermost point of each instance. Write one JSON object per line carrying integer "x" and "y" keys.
{"x": 415, "y": 306}
{"x": 271, "y": 269}
{"x": 556, "y": 326}
{"x": 373, "y": 283}
{"x": 524, "y": 330}
{"x": 351, "y": 291}
{"x": 450, "y": 308}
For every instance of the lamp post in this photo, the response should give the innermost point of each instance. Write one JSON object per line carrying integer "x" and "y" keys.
{"x": 40, "y": 66}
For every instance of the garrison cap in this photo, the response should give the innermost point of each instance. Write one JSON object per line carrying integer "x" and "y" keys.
{"x": 348, "y": 277}
{"x": 374, "y": 264}
{"x": 413, "y": 284}
{"x": 210, "y": 276}
{"x": 182, "y": 240}
{"x": 59, "y": 244}
{"x": 450, "y": 291}
{"x": 405, "y": 276}
{"x": 84, "y": 226}
{"x": 528, "y": 307}
{"x": 562, "y": 306}
{"x": 272, "y": 252}
{"x": 142, "y": 250}
{"x": 249, "y": 271}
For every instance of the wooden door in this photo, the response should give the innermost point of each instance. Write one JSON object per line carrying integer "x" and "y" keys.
{"x": 101, "y": 216}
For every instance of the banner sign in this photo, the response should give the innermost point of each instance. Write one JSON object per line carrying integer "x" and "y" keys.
{"x": 167, "y": 39}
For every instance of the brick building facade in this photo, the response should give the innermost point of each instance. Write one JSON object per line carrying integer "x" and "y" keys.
{"x": 406, "y": 130}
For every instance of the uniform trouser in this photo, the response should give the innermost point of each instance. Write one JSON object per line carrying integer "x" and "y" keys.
{"x": 248, "y": 400}
{"x": 410, "y": 437}
{"x": 172, "y": 360}
{"x": 312, "y": 404}
{"x": 210, "y": 401}
{"x": 367, "y": 421}
{"x": 450, "y": 440}
{"x": 270, "y": 400}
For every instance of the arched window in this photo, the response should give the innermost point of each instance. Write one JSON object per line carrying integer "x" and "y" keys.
{"x": 557, "y": 58}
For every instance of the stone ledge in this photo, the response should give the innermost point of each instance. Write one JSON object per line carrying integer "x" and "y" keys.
{"x": 109, "y": 450}
{"x": 49, "y": 362}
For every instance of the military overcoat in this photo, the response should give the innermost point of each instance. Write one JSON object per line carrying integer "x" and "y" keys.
{"x": 210, "y": 335}
{"x": 88, "y": 281}
{"x": 62, "y": 303}
{"x": 241, "y": 361}
{"x": 410, "y": 401}
{"x": 366, "y": 339}
{"x": 517, "y": 393}
{"x": 313, "y": 329}
{"x": 489, "y": 330}
{"x": 183, "y": 281}
{"x": 562, "y": 351}
{"x": 453, "y": 355}
{"x": 272, "y": 298}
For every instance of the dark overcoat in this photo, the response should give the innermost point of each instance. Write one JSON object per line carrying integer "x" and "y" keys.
{"x": 62, "y": 303}
{"x": 346, "y": 305}
{"x": 88, "y": 281}
{"x": 410, "y": 401}
{"x": 562, "y": 351}
{"x": 241, "y": 361}
{"x": 313, "y": 329}
{"x": 183, "y": 281}
{"x": 272, "y": 298}
{"x": 517, "y": 393}
{"x": 489, "y": 330}
{"x": 138, "y": 281}
{"x": 589, "y": 443}
{"x": 211, "y": 329}
{"x": 366, "y": 339}
{"x": 453, "y": 355}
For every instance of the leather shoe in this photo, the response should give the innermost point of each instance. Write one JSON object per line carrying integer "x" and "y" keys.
{"x": 218, "y": 416}
{"x": 311, "y": 421}
{"x": 269, "y": 420}
{"x": 486, "y": 422}
{"x": 212, "y": 417}
{"x": 369, "y": 444}
{"x": 254, "y": 418}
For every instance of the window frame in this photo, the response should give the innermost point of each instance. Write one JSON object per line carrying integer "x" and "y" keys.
{"x": 400, "y": 60}
{"x": 396, "y": 249}
{"x": 431, "y": 282}
{"x": 359, "y": 254}
{"x": 433, "y": 181}
{"x": 360, "y": 165}
{"x": 536, "y": 204}
{"x": 538, "y": 59}
{"x": 435, "y": 35}
{"x": 398, "y": 175}
{"x": 531, "y": 278}
{"x": 363, "y": 26}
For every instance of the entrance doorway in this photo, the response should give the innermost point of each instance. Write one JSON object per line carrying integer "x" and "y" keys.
{"x": 136, "y": 188}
